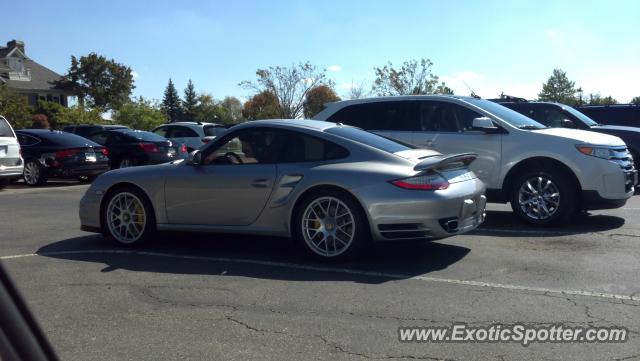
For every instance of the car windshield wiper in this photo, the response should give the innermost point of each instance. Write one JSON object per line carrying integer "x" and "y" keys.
{"x": 529, "y": 126}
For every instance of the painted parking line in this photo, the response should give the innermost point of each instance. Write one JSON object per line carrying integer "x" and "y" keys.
{"x": 296, "y": 266}
{"x": 522, "y": 231}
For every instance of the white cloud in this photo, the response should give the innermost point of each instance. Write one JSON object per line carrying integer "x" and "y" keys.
{"x": 621, "y": 84}
{"x": 334, "y": 68}
{"x": 556, "y": 37}
{"x": 346, "y": 86}
{"x": 463, "y": 82}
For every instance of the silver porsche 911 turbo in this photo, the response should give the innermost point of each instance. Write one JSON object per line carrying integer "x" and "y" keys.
{"x": 329, "y": 186}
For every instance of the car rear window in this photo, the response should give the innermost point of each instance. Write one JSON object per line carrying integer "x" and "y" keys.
{"x": 5, "y": 128}
{"x": 213, "y": 131}
{"x": 142, "y": 135}
{"x": 66, "y": 139}
{"x": 369, "y": 139}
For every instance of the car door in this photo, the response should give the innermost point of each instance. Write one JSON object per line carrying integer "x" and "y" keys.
{"x": 232, "y": 184}
{"x": 447, "y": 128}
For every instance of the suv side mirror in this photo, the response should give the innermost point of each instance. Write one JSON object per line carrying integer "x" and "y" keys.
{"x": 194, "y": 158}
{"x": 566, "y": 123}
{"x": 484, "y": 124}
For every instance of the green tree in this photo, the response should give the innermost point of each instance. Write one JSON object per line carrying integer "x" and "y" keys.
{"x": 232, "y": 109}
{"x": 190, "y": 102}
{"x": 316, "y": 98}
{"x": 52, "y": 110}
{"x": 100, "y": 82}
{"x": 171, "y": 104}
{"x": 289, "y": 86}
{"x": 635, "y": 100}
{"x": 140, "y": 114}
{"x": 414, "y": 77}
{"x": 559, "y": 88}
{"x": 208, "y": 110}
{"x": 263, "y": 105}
{"x": 79, "y": 115}
{"x": 15, "y": 107}
{"x": 443, "y": 89}
{"x": 596, "y": 99}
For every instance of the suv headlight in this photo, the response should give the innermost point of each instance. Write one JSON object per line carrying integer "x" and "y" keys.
{"x": 601, "y": 152}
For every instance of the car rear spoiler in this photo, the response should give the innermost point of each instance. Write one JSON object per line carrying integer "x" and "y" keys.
{"x": 445, "y": 161}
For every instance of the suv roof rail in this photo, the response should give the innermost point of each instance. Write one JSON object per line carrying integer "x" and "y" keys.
{"x": 504, "y": 98}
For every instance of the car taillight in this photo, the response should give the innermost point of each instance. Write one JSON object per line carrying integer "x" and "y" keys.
{"x": 425, "y": 182}
{"x": 66, "y": 153}
{"x": 104, "y": 151}
{"x": 149, "y": 147}
{"x": 183, "y": 149}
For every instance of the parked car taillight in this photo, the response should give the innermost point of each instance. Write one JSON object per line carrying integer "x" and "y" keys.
{"x": 66, "y": 153}
{"x": 183, "y": 149}
{"x": 427, "y": 182}
{"x": 149, "y": 147}
{"x": 104, "y": 151}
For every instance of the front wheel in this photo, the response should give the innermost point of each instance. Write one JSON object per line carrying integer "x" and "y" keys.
{"x": 544, "y": 197}
{"x": 330, "y": 225}
{"x": 127, "y": 216}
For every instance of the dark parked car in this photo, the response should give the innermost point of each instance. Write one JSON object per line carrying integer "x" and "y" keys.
{"x": 56, "y": 154}
{"x": 618, "y": 114}
{"x": 87, "y": 130}
{"x": 556, "y": 115}
{"x": 128, "y": 148}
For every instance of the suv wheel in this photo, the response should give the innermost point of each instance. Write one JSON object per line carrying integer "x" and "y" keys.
{"x": 330, "y": 225}
{"x": 543, "y": 197}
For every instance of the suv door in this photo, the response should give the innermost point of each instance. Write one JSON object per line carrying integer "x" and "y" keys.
{"x": 180, "y": 134}
{"x": 447, "y": 128}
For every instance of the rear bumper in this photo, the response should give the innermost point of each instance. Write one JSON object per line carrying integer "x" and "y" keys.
{"x": 11, "y": 172}
{"x": 78, "y": 170}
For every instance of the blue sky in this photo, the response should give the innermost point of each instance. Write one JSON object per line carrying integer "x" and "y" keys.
{"x": 509, "y": 46}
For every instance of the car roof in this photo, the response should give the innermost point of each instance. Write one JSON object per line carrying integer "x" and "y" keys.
{"x": 40, "y": 131}
{"x": 289, "y": 123}
{"x": 399, "y": 98}
{"x": 190, "y": 123}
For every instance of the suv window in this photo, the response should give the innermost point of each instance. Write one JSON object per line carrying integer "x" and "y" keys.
{"x": 213, "y": 130}
{"x": 5, "y": 128}
{"x": 438, "y": 116}
{"x": 162, "y": 131}
{"x": 179, "y": 131}
{"x": 100, "y": 138}
{"x": 389, "y": 115}
{"x": 305, "y": 148}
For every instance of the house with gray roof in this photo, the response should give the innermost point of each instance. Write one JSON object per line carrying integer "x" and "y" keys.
{"x": 23, "y": 75}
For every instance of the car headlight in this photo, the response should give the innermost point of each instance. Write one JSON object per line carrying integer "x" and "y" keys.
{"x": 600, "y": 152}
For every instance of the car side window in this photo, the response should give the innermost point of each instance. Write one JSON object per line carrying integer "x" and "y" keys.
{"x": 438, "y": 117}
{"x": 300, "y": 148}
{"x": 356, "y": 115}
{"x": 162, "y": 131}
{"x": 27, "y": 140}
{"x": 100, "y": 138}
{"x": 464, "y": 117}
{"x": 553, "y": 117}
{"x": 255, "y": 146}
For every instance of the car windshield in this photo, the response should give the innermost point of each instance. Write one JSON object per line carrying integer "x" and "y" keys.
{"x": 369, "y": 139}
{"x": 505, "y": 114}
{"x": 143, "y": 135}
{"x": 585, "y": 119}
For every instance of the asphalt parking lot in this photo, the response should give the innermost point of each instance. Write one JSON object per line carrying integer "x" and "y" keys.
{"x": 214, "y": 297}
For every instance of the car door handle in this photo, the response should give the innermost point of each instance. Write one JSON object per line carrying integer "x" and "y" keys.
{"x": 260, "y": 183}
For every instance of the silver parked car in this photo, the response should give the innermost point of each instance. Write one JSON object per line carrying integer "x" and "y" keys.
{"x": 193, "y": 134}
{"x": 329, "y": 186}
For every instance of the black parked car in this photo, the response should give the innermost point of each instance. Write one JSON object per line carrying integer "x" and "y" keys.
{"x": 87, "y": 130}
{"x": 617, "y": 114}
{"x": 55, "y": 154}
{"x": 129, "y": 148}
{"x": 556, "y": 115}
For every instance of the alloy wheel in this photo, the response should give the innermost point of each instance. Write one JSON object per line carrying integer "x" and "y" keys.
{"x": 126, "y": 217}
{"x": 539, "y": 198}
{"x": 31, "y": 173}
{"x": 328, "y": 226}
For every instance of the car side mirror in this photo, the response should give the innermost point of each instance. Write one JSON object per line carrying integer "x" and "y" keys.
{"x": 194, "y": 158}
{"x": 484, "y": 124}
{"x": 566, "y": 123}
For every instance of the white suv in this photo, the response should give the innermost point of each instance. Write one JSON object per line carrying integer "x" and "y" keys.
{"x": 192, "y": 134}
{"x": 11, "y": 164}
{"x": 547, "y": 174}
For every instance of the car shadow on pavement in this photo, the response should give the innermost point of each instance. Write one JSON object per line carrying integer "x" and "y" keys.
{"x": 507, "y": 224}
{"x": 257, "y": 257}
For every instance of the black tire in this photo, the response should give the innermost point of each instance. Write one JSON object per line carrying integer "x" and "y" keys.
{"x": 149, "y": 228}
{"x": 360, "y": 225}
{"x": 87, "y": 178}
{"x": 567, "y": 202}
{"x": 33, "y": 174}
{"x": 4, "y": 183}
{"x": 126, "y": 162}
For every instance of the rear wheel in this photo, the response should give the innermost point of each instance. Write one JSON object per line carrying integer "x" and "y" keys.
{"x": 33, "y": 173}
{"x": 544, "y": 197}
{"x": 330, "y": 225}
{"x": 127, "y": 216}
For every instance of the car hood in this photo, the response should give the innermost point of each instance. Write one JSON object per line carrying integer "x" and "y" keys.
{"x": 616, "y": 128}
{"x": 583, "y": 136}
